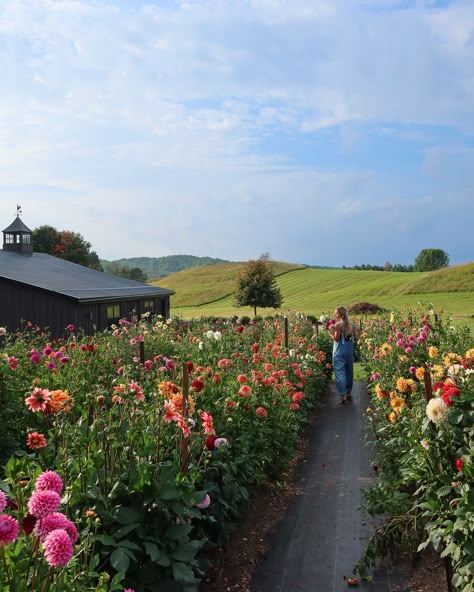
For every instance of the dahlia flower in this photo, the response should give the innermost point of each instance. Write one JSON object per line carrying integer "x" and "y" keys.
{"x": 437, "y": 410}
{"x": 49, "y": 481}
{"x": 58, "y": 548}
{"x": 42, "y": 503}
{"x": 8, "y": 529}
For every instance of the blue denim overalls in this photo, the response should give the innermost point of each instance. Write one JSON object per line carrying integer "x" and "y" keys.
{"x": 343, "y": 362}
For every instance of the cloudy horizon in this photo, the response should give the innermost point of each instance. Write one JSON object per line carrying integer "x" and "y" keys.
{"x": 324, "y": 132}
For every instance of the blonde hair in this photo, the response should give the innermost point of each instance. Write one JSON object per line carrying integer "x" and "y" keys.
{"x": 346, "y": 320}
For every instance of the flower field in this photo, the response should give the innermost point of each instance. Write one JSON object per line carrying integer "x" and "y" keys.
{"x": 421, "y": 414}
{"x": 128, "y": 456}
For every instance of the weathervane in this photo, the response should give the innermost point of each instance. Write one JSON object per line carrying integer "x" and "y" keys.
{"x": 18, "y": 210}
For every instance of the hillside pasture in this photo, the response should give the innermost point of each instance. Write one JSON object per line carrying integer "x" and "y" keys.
{"x": 201, "y": 286}
{"x": 208, "y": 291}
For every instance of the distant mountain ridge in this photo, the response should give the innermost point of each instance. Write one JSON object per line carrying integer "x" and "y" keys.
{"x": 159, "y": 267}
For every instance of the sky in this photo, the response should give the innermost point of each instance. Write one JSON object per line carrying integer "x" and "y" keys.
{"x": 323, "y": 132}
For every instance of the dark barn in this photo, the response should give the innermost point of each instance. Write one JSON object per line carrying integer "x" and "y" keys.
{"x": 53, "y": 293}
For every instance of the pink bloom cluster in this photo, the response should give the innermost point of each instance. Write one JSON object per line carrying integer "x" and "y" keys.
{"x": 55, "y": 531}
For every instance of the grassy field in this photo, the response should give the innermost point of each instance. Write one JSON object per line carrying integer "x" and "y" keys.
{"x": 207, "y": 291}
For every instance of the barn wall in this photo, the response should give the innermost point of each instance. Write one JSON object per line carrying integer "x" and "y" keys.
{"x": 20, "y": 304}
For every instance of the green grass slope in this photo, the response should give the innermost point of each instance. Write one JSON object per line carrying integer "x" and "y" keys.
{"x": 207, "y": 291}
{"x": 202, "y": 285}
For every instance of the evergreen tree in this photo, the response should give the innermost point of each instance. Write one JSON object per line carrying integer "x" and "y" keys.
{"x": 256, "y": 286}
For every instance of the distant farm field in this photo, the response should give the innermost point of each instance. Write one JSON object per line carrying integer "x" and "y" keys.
{"x": 208, "y": 291}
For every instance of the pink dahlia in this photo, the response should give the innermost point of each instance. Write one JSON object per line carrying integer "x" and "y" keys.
{"x": 38, "y": 400}
{"x": 49, "y": 481}
{"x": 3, "y": 501}
{"x": 8, "y": 529}
{"x": 52, "y": 522}
{"x": 58, "y": 549}
{"x": 42, "y": 503}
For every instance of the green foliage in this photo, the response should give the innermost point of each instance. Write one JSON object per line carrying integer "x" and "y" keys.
{"x": 132, "y": 273}
{"x": 65, "y": 244}
{"x": 137, "y": 465}
{"x": 256, "y": 286}
{"x": 431, "y": 259}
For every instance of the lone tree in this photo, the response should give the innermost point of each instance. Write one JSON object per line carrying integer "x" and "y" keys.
{"x": 256, "y": 285}
{"x": 65, "y": 245}
{"x": 430, "y": 259}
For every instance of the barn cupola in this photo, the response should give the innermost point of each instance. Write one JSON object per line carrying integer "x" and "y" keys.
{"x": 17, "y": 237}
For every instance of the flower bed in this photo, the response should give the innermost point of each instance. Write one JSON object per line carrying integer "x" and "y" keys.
{"x": 158, "y": 432}
{"x": 421, "y": 412}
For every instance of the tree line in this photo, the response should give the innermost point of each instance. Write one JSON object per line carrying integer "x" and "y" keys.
{"x": 427, "y": 260}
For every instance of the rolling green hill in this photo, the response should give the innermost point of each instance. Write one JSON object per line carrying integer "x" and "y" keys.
{"x": 159, "y": 267}
{"x": 208, "y": 291}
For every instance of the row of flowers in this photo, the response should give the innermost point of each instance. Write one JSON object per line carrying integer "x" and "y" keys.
{"x": 151, "y": 437}
{"x": 421, "y": 382}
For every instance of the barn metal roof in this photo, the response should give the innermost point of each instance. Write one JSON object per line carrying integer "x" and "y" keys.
{"x": 69, "y": 279}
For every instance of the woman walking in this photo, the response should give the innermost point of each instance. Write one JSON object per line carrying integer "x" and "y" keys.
{"x": 344, "y": 334}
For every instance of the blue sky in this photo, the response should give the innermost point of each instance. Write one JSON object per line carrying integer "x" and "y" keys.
{"x": 325, "y": 132}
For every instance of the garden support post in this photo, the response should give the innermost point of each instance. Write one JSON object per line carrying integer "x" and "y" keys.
{"x": 185, "y": 439}
{"x": 142, "y": 352}
{"x": 286, "y": 333}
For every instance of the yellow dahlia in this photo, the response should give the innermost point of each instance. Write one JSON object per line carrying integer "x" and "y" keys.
{"x": 411, "y": 385}
{"x": 397, "y": 403}
{"x": 433, "y": 351}
{"x": 469, "y": 353}
{"x": 451, "y": 358}
{"x": 403, "y": 358}
{"x": 420, "y": 373}
{"x": 392, "y": 417}
{"x": 403, "y": 385}
{"x": 385, "y": 349}
{"x": 437, "y": 371}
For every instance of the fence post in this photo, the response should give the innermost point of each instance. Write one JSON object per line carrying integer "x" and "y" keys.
{"x": 142, "y": 352}
{"x": 286, "y": 333}
{"x": 184, "y": 452}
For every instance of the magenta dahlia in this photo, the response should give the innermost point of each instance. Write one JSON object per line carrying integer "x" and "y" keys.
{"x": 42, "y": 503}
{"x": 49, "y": 481}
{"x": 52, "y": 522}
{"x": 8, "y": 529}
{"x": 58, "y": 549}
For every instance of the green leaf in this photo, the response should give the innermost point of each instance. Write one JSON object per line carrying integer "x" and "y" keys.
{"x": 169, "y": 491}
{"x": 129, "y": 545}
{"x": 185, "y": 552}
{"x": 444, "y": 490}
{"x": 176, "y": 531}
{"x": 124, "y": 530}
{"x": 183, "y": 573}
{"x": 126, "y": 515}
{"x": 105, "y": 539}
{"x": 120, "y": 560}
{"x": 152, "y": 550}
